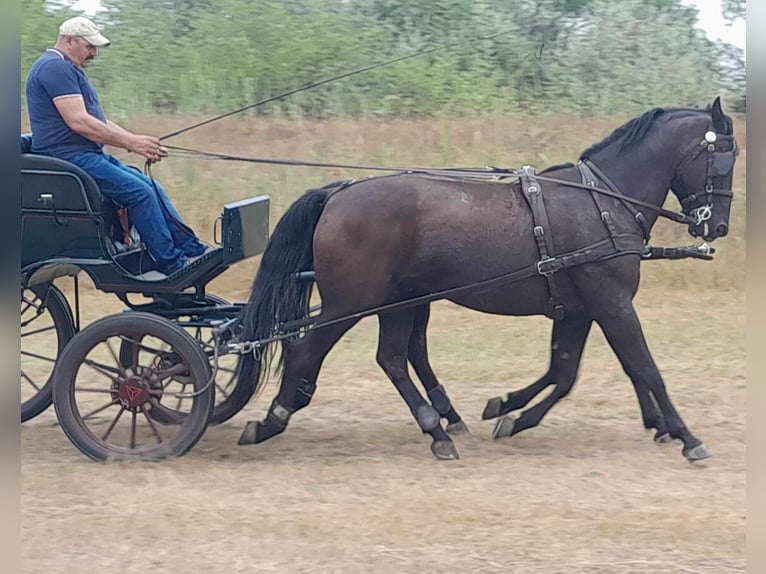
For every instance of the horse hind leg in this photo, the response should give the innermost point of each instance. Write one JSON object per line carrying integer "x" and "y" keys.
{"x": 568, "y": 341}
{"x": 302, "y": 360}
{"x": 395, "y": 331}
{"x": 417, "y": 354}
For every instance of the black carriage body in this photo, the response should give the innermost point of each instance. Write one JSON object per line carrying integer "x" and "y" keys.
{"x": 64, "y": 230}
{"x": 61, "y": 210}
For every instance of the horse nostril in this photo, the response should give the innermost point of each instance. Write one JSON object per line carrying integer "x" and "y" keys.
{"x": 722, "y": 230}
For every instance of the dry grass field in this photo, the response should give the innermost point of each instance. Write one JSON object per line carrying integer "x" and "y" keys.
{"x": 352, "y": 486}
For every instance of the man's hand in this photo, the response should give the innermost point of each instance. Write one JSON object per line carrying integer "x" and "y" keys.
{"x": 148, "y": 146}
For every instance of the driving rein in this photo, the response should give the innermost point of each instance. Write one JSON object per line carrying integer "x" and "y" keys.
{"x": 697, "y": 208}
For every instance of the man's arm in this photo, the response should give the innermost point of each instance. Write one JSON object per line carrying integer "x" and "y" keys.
{"x": 119, "y": 128}
{"x": 76, "y": 116}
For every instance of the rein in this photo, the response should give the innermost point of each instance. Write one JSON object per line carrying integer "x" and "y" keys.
{"x": 488, "y": 172}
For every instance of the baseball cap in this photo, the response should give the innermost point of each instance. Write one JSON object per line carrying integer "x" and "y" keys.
{"x": 81, "y": 26}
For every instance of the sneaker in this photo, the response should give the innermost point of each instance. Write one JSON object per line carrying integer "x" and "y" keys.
{"x": 196, "y": 249}
{"x": 175, "y": 266}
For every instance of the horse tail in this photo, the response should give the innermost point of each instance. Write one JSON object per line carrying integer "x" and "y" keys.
{"x": 276, "y": 296}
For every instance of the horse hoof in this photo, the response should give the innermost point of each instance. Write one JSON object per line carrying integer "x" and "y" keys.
{"x": 457, "y": 428}
{"x": 663, "y": 438}
{"x": 504, "y": 427}
{"x": 444, "y": 450}
{"x": 492, "y": 410}
{"x": 698, "y": 453}
{"x": 249, "y": 433}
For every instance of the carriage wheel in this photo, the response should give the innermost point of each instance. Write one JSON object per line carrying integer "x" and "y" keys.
{"x": 103, "y": 403}
{"x": 230, "y": 396}
{"x": 46, "y": 327}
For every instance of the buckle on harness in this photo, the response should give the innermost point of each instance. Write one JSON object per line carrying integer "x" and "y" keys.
{"x": 548, "y": 266}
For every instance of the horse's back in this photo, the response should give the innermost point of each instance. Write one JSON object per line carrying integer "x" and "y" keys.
{"x": 408, "y": 234}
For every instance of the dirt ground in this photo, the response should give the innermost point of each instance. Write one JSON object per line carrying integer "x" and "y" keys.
{"x": 352, "y": 486}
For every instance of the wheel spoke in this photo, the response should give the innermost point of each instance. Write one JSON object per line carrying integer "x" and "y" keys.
{"x": 102, "y": 408}
{"x": 177, "y": 382}
{"x": 90, "y": 390}
{"x": 38, "y": 331}
{"x": 152, "y": 426}
{"x": 177, "y": 369}
{"x": 101, "y": 368}
{"x": 117, "y": 361}
{"x": 133, "y": 430}
{"x": 144, "y": 347}
{"x": 223, "y": 390}
{"x": 38, "y": 313}
{"x": 111, "y": 426}
{"x": 36, "y": 356}
{"x": 29, "y": 380}
{"x": 29, "y": 305}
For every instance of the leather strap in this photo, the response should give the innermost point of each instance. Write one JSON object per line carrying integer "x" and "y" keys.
{"x": 534, "y": 195}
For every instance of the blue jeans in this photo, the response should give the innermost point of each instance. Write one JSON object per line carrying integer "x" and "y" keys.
{"x": 167, "y": 238}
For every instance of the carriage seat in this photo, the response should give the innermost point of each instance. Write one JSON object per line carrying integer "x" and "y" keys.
{"x": 51, "y": 183}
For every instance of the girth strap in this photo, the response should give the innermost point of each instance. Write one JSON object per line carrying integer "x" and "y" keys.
{"x": 533, "y": 193}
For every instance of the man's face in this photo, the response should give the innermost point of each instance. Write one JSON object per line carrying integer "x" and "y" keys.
{"x": 81, "y": 51}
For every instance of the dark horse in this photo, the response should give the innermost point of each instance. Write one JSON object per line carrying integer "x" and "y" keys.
{"x": 566, "y": 242}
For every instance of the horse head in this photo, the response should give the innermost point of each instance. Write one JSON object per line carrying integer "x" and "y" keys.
{"x": 703, "y": 175}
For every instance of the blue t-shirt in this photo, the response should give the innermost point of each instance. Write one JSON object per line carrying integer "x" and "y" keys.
{"x": 54, "y": 75}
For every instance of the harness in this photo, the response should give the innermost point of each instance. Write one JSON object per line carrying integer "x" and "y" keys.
{"x": 719, "y": 164}
{"x": 615, "y": 245}
{"x": 618, "y": 244}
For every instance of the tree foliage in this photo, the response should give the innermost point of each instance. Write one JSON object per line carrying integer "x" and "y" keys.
{"x": 582, "y": 55}
{"x": 733, "y": 9}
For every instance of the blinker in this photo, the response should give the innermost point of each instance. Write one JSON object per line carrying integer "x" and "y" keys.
{"x": 723, "y": 162}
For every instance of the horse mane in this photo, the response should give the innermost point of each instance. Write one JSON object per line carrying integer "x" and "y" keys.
{"x": 632, "y": 133}
{"x": 557, "y": 167}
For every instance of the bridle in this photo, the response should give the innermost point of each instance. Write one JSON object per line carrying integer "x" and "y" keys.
{"x": 699, "y": 206}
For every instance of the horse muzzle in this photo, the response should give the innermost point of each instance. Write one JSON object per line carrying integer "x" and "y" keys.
{"x": 708, "y": 231}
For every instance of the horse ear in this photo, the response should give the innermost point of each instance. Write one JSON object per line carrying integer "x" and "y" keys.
{"x": 719, "y": 118}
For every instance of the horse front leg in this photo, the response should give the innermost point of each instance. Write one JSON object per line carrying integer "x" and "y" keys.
{"x": 514, "y": 400}
{"x": 567, "y": 344}
{"x": 624, "y": 334}
{"x": 417, "y": 354}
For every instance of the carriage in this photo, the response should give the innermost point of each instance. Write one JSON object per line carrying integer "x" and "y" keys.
{"x": 166, "y": 381}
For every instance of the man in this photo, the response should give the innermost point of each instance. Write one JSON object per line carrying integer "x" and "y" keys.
{"x": 68, "y": 122}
